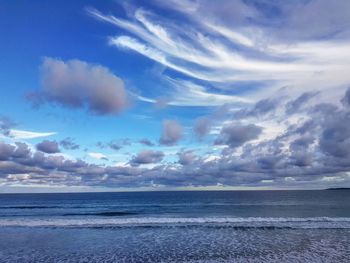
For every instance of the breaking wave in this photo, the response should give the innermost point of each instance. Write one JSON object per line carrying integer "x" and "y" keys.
{"x": 235, "y": 222}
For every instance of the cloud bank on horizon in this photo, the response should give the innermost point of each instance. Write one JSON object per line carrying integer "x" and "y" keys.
{"x": 184, "y": 94}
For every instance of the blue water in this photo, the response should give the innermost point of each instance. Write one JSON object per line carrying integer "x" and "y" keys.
{"x": 235, "y": 226}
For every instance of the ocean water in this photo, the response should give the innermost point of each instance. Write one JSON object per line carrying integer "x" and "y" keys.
{"x": 216, "y": 226}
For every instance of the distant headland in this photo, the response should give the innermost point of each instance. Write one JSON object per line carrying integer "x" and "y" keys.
{"x": 339, "y": 188}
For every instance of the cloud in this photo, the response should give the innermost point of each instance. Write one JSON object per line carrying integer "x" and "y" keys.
{"x": 335, "y": 137}
{"x": 171, "y": 134}
{"x": 146, "y": 142}
{"x": 295, "y": 105}
{"x": 22, "y": 150}
{"x": 315, "y": 19}
{"x": 186, "y": 157}
{"x": 201, "y": 127}
{"x": 346, "y": 99}
{"x": 311, "y": 152}
{"x": 98, "y": 156}
{"x": 235, "y": 134}
{"x": 69, "y": 144}
{"x": 147, "y": 157}
{"x": 285, "y": 123}
{"x": 78, "y": 84}
{"x": 5, "y": 125}
{"x": 21, "y": 134}
{"x": 261, "y": 108}
{"x": 48, "y": 146}
{"x": 161, "y": 102}
{"x": 115, "y": 145}
{"x": 6, "y": 150}
{"x": 189, "y": 93}
{"x": 240, "y": 55}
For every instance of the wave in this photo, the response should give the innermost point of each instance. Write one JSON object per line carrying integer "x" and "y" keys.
{"x": 101, "y": 214}
{"x": 29, "y": 207}
{"x": 235, "y": 222}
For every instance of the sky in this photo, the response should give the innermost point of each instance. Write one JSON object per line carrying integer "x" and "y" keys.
{"x": 174, "y": 95}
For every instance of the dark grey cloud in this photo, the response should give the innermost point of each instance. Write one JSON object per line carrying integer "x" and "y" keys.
{"x": 261, "y": 108}
{"x": 171, "y": 134}
{"x": 147, "y": 157}
{"x": 346, "y": 99}
{"x": 302, "y": 143}
{"x": 47, "y": 146}
{"x": 202, "y": 127}
{"x": 295, "y": 105}
{"x": 22, "y": 150}
{"x": 335, "y": 137}
{"x": 78, "y": 84}
{"x": 235, "y": 134}
{"x": 69, "y": 144}
{"x": 146, "y": 142}
{"x": 6, "y": 150}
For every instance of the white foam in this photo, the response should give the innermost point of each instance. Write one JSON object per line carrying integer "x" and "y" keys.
{"x": 310, "y": 222}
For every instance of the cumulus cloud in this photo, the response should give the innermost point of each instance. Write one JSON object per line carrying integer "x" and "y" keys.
{"x": 5, "y": 125}
{"x": 172, "y": 132}
{"x": 312, "y": 152}
{"x": 6, "y": 150}
{"x": 235, "y": 134}
{"x": 47, "y": 146}
{"x": 147, "y": 157}
{"x": 22, "y": 150}
{"x": 115, "y": 145}
{"x": 69, "y": 144}
{"x": 78, "y": 84}
{"x": 146, "y": 142}
{"x": 98, "y": 156}
{"x": 201, "y": 127}
{"x": 186, "y": 157}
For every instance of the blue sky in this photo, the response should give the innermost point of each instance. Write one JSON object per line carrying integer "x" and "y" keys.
{"x": 128, "y": 95}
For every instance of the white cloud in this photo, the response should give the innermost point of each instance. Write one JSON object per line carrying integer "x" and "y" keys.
{"x": 188, "y": 93}
{"x": 21, "y": 134}
{"x": 207, "y": 50}
{"x": 98, "y": 156}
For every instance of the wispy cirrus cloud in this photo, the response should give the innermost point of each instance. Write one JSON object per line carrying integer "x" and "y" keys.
{"x": 22, "y": 134}
{"x": 216, "y": 51}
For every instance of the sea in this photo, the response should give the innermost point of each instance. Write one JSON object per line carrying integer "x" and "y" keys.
{"x": 178, "y": 226}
